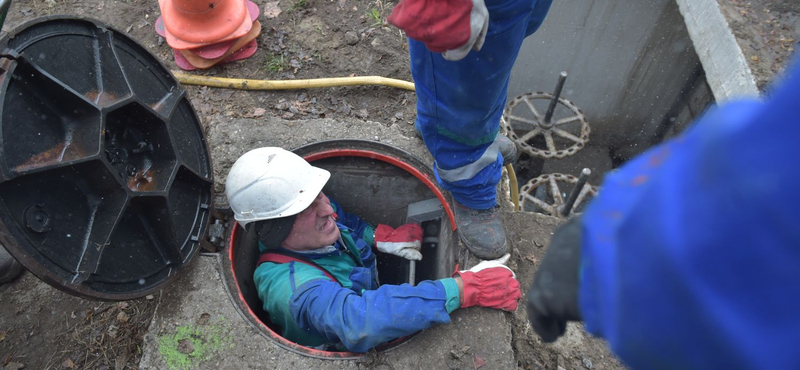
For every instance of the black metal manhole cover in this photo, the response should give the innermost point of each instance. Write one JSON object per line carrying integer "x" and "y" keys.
{"x": 105, "y": 176}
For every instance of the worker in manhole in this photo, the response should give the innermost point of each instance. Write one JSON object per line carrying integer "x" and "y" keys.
{"x": 689, "y": 258}
{"x": 317, "y": 275}
{"x": 461, "y": 53}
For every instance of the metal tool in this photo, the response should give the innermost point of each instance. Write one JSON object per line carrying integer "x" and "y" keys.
{"x": 573, "y": 195}
{"x": 562, "y": 77}
{"x": 420, "y": 212}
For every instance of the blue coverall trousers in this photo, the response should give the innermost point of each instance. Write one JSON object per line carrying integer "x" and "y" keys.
{"x": 459, "y": 104}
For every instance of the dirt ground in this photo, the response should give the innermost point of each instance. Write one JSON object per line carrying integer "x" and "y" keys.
{"x": 308, "y": 39}
{"x": 576, "y": 349}
{"x": 768, "y": 33}
{"x": 61, "y": 331}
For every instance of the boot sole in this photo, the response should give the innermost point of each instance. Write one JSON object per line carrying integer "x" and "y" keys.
{"x": 471, "y": 249}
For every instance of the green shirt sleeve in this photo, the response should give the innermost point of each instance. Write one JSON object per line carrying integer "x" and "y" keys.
{"x": 369, "y": 235}
{"x": 453, "y": 301}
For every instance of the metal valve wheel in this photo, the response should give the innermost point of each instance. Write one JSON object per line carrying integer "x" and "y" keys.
{"x": 562, "y": 137}
{"x": 544, "y": 194}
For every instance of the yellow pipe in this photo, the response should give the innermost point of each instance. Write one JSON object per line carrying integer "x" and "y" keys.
{"x": 247, "y": 84}
{"x": 512, "y": 179}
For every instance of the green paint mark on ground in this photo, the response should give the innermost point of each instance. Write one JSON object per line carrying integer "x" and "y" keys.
{"x": 191, "y": 344}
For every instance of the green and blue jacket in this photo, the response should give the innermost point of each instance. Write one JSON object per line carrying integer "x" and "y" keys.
{"x": 312, "y": 310}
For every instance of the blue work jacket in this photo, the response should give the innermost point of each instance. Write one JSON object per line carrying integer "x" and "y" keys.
{"x": 691, "y": 251}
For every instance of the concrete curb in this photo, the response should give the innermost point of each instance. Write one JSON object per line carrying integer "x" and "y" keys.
{"x": 727, "y": 71}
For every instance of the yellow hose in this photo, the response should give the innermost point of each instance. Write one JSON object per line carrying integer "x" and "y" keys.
{"x": 512, "y": 179}
{"x": 247, "y": 84}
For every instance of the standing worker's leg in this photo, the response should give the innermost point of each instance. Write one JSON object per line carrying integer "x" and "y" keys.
{"x": 459, "y": 105}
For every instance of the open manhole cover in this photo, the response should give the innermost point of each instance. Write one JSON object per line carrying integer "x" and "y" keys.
{"x": 105, "y": 177}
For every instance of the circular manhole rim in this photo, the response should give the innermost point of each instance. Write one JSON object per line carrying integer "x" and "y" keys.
{"x": 313, "y": 152}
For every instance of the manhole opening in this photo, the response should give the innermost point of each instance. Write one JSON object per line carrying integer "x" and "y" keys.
{"x": 378, "y": 192}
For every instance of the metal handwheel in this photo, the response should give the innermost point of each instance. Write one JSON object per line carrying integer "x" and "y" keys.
{"x": 543, "y": 194}
{"x": 542, "y": 124}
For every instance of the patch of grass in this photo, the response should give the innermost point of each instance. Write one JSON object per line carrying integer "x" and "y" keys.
{"x": 376, "y": 17}
{"x": 320, "y": 58}
{"x": 299, "y": 4}
{"x": 205, "y": 341}
{"x": 276, "y": 63}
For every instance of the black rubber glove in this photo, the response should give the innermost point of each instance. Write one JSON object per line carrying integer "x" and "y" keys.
{"x": 553, "y": 297}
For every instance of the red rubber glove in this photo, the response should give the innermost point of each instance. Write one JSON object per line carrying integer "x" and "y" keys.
{"x": 450, "y": 27}
{"x": 405, "y": 241}
{"x": 491, "y": 284}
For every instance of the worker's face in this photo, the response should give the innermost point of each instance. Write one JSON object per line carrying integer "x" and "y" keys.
{"x": 314, "y": 227}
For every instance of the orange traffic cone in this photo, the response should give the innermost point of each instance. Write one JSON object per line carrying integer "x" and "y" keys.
{"x": 227, "y": 48}
{"x": 196, "y": 23}
{"x": 246, "y": 52}
{"x": 203, "y": 63}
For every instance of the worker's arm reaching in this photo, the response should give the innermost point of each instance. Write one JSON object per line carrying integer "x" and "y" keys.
{"x": 360, "y": 322}
{"x": 313, "y": 309}
{"x": 690, "y": 255}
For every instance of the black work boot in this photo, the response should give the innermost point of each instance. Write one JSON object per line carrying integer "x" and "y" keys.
{"x": 481, "y": 231}
{"x": 508, "y": 149}
{"x": 9, "y": 267}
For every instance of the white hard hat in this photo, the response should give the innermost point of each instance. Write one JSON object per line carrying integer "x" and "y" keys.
{"x": 267, "y": 183}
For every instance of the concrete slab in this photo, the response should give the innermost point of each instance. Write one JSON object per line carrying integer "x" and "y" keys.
{"x": 226, "y": 340}
{"x": 232, "y": 137}
{"x": 197, "y": 304}
{"x": 220, "y": 338}
{"x": 727, "y": 71}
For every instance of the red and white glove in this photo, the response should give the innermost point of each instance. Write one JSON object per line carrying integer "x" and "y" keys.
{"x": 491, "y": 284}
{"x": 450, "y": 27}
{"x": 405, "y": 241}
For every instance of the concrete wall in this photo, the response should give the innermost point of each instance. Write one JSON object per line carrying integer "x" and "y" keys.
{"x": 728, "y": 74}
{"x": 628, "y": 61}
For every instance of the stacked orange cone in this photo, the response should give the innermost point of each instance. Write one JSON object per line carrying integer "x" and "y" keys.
{"x": 205, "y": 33}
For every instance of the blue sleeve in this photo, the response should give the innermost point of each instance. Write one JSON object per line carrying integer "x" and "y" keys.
{"x": 367, "y": 256}
{"x": 691, "y": 252}
{"x": 361, "y": 229}
{"x": 361, "y": 322}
